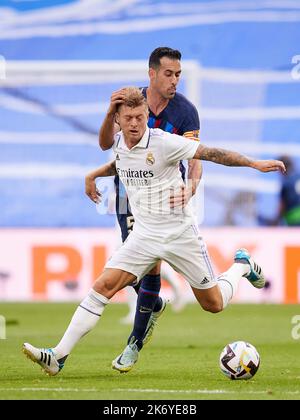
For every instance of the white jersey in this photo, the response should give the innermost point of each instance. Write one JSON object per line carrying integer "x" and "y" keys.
{"x": 150, "y": 173}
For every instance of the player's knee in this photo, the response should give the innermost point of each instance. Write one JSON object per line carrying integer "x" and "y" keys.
{"x": 216, "y": 308}
{"x": 111, "y": 281}
{"x": 212, "y": 306}
{"x": 105, "y": 287}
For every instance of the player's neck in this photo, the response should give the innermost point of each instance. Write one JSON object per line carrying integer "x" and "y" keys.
{"x": 156, "y": 102}
{"x": 131, "y": 142}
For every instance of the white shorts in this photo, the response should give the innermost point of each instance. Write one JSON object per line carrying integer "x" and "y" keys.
{"x": 187, "y": 255}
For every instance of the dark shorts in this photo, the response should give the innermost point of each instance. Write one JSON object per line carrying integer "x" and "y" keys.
{"x": 126, "y": 222}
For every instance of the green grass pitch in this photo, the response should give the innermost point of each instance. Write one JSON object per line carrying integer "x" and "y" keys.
{"x": 181, "y": 362}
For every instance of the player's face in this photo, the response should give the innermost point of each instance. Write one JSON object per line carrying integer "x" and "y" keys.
{"x": 165, "y": 79}
{"x": 133, "y": 122}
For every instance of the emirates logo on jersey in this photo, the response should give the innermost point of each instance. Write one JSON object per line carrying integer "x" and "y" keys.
{"x": 150, "y": 160}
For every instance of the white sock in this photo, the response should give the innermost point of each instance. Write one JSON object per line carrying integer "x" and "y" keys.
{"x": 228, "y": 282}
{"x": 84, "y": 319}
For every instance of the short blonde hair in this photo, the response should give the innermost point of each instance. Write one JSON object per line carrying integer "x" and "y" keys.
{"x": 133, "y": 98}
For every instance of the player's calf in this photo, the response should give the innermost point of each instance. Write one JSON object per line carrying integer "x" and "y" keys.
{"x": 210, "y": 299}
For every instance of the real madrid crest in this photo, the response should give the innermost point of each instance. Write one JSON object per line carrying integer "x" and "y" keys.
{"x": 150, "y": 160}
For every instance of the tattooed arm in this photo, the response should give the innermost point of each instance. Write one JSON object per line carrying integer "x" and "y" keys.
{"x": 229, "y": 158}
{"x": 109, "y": 169}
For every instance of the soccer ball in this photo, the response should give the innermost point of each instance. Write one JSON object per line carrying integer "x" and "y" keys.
{"x": 239, "y": 360}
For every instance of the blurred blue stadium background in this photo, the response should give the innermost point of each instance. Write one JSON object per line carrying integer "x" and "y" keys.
{"x": 46, "y": 129}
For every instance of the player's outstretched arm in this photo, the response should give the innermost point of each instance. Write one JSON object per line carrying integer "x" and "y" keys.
{"x": 109, "y": 127}
{"x": 109, "y": 169}
{"x": 229, "y": 158}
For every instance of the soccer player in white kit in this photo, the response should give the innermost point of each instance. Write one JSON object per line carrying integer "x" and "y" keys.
{"x": 147, "y": 162}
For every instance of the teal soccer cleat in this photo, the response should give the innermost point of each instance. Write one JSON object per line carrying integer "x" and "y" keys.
{"x": 126, "y": 360}
{"x": 255, "y": 275}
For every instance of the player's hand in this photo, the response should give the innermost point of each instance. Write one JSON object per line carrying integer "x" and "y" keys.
{"x": 269, "y": 166}
{"x": 116, "y": 99}
{"x": 180, "y": 199}
{"x": 91, "y": 190}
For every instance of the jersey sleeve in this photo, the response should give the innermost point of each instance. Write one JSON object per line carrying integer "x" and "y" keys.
{"x": 191, "y": 125}
{"x": 176, "y": 148}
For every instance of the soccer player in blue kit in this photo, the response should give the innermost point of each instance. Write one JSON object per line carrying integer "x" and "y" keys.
{"x": 171, "y": 112}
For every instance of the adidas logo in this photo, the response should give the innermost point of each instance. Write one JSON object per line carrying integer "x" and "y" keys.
{"x": 117, "y": 157}
{"x": 205, "y": 281}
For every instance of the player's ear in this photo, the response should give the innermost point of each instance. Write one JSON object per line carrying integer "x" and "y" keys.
{"x": 151, "y": 73}
{"x": 117, "y": 118}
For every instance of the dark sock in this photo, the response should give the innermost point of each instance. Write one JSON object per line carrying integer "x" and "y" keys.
{"x": 146, "y": 302}
{"x": 158, "y": 304}
{"x": 62, "y": 360}
{"x": 137, "y": 287}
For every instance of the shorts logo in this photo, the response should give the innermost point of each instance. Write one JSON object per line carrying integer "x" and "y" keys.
{"x": 205, "y": 281}
{"x": 117, "y": 157}
{"x": 150, "y": 160}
